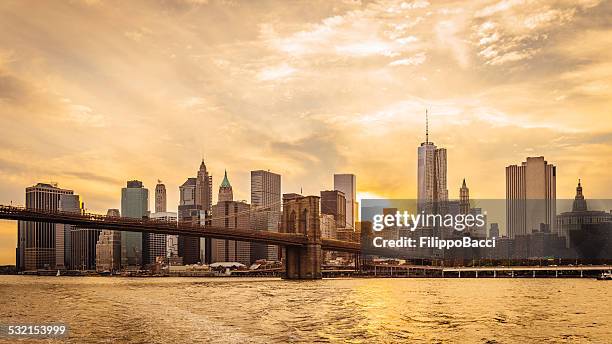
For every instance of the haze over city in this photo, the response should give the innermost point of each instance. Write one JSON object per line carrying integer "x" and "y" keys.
{"x": 91, "y": 98}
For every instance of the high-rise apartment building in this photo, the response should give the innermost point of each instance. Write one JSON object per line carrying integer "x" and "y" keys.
{"x": 432, "y": 191}
{"x": 36, "y": 240}
{"x": 265, "y": 211}
{"x": 134, "y": 204}
{"x": 108, "y": 248}
{"x": 347, "y": 183}
{"x": 530, "y": 196}
{"x": 160, "y": 197}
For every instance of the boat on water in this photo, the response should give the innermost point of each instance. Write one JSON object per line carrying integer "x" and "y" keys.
{"x": 605, "y": 276}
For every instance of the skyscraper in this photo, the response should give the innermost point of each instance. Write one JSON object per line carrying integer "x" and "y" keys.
{"x": 334, "y": 203}
{"x": 160, "y": 197}
{"x": 189, "y": 211}
{"x": 157, "y": 244}
{"x": 83, "y": 248}
{"x": 134, "y": 204}
{"x": 432, "y": 191}
{"x": 531, "y": 193}
{"x": 63, "y": 232}
{"x": 347, "y": 183}
{"x": 203, "y": 188}
{"x": 266, "y": 210}
{"x": 108, "y": 248}
{"x": 230, "y": 214}
{"x": 36, "y": 240}
{"x": 225, "y": 190}
{"x": 464, "y": 199}
{"x": 154, "y": 245}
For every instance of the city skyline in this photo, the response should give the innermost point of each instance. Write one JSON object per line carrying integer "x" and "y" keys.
{"x": 502, "y": 82}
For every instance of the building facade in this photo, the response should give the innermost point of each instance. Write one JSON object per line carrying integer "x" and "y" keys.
{"x": 36, "y": 240}
{"x": 83, "y": 248}
{"x": 161, "y": 245}
{"x": 334, "y": 203}
{"x": 530, "y": 196}
{"x": 432, "y": 190}
{"x": 231, "y": 214}
{"x": 464, "y": 198}
{"x": 160, "y": 197}
{"x": 265, "y": 211}
{"x": 579, "y": 217}
{"x": 228, "y": 213}
{"x": 204, "y": 188}
{"x": 189, "y": 211}
{"x": 108, "y": 248}
{"x": 63, "y": 232}
{"x": 134, "y": 204}
{"x": 347, "y": 183}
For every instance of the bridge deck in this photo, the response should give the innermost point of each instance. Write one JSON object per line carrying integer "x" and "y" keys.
{"x": 95, "y": 221}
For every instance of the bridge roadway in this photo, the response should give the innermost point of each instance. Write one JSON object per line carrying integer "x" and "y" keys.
{"x": 95, "y": 221}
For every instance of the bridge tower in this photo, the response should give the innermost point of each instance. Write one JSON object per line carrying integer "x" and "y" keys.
{"x": 301, "y": 215}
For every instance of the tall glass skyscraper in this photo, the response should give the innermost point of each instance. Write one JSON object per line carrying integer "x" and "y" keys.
{"x": 347, "y": 183}
{"x": 432, "y": 191}
{"x": 63, "y": 232}
{"x": 266, "y": 210}
{"x": 134, "y": 204}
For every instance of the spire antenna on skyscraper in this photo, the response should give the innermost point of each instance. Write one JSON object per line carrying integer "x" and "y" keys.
{"x": 426, "y": 127}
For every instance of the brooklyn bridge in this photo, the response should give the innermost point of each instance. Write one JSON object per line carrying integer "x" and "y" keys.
{"x": 300, "y": 232}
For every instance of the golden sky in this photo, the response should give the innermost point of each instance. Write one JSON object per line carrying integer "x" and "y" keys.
{"x": 94, "y": 93}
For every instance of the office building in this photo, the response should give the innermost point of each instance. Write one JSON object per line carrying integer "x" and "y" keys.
{"x": 36, "y": 240}
{"x": 464, "y": 199}
{"x": 108, "y": 248}
{"x": 203, "y": 192}
{"x": 347, "y": 183}
{"x": 530, "y": 196}
{"x": 494, "y": 230}
{"x": 160, "y": 197}
{"x": 134, "y": 204}
{"x": 225, "y": 190}
{"x": 63, "y": 232}
{"x": 334, "y": 203}
{"x": 265, "y": 211}
{"x": 83, "y": 248}
{"x": 432, "y": 191}
{"x": 158, "y": 244}
{"x": 189, "y": 211}
{"x": 328, "y": 226}
{"x": 230, "y": 214}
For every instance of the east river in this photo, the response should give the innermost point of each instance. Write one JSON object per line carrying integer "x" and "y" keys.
{"x": 236, "y": 310}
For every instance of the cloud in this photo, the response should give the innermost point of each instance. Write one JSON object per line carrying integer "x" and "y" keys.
{"x": 274, "y": 73}
{"x": 411, "y": 61}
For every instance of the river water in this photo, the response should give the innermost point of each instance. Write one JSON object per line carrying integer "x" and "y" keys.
{"x": 236, "y": 310}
